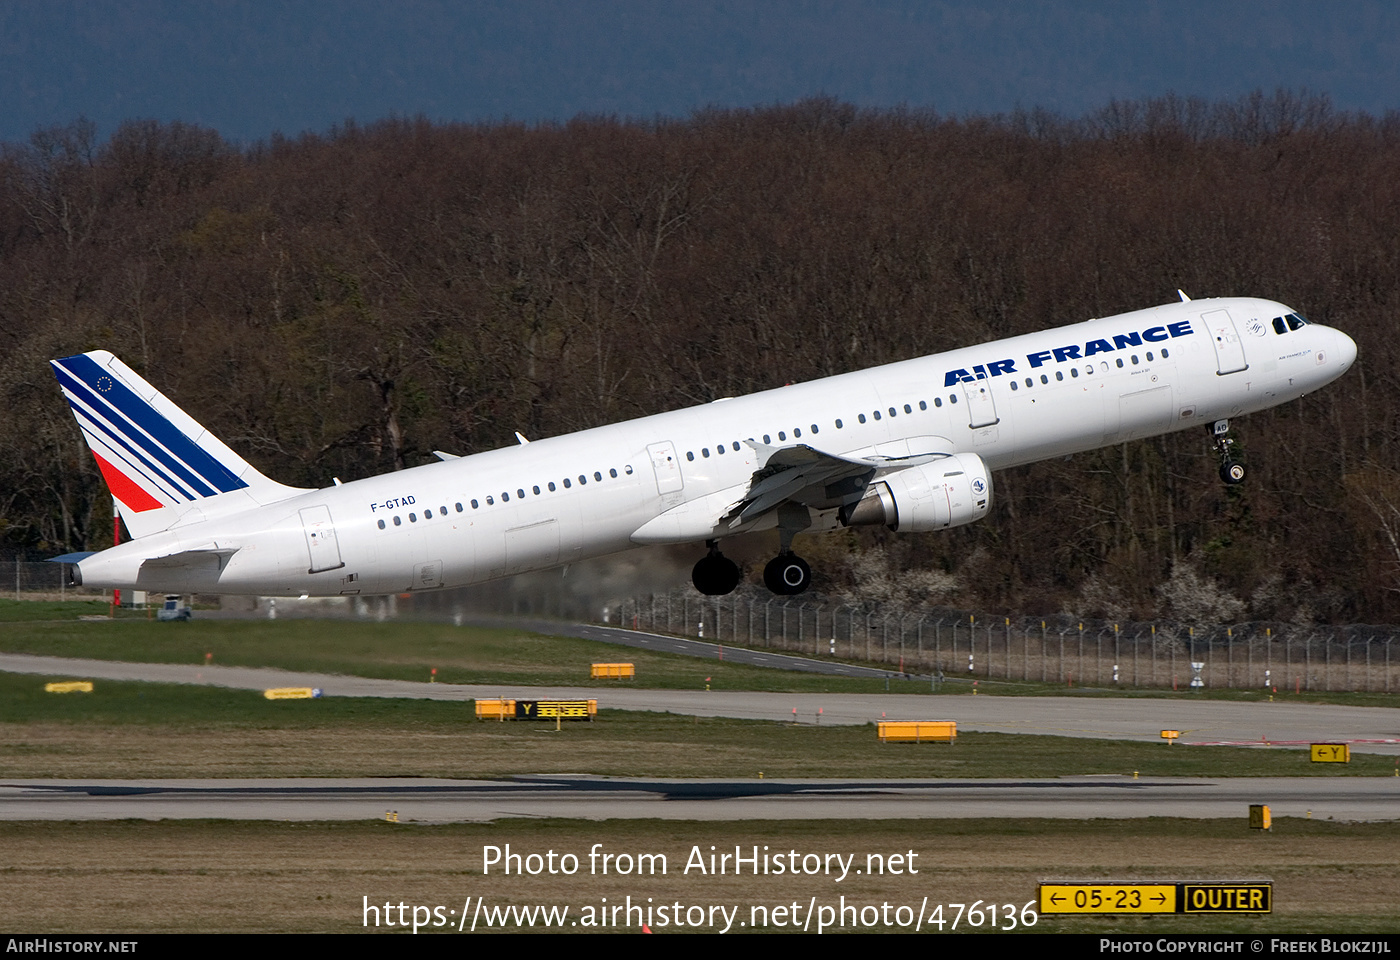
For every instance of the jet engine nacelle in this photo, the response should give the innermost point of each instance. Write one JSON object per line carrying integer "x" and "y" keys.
{"x": 945, "y": 493}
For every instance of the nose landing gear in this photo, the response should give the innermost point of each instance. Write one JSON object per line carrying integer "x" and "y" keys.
{"x": 1231, "y": 470}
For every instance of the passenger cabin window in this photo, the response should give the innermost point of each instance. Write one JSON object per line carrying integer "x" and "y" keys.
{"x": 475, "y": 505}
{"x": 398, "y": 522}
{"x": 597, "y": 475}
{"x": 861, "y": 418}
{"x": 381, "y": 524}
{"x": 923, "y": 405}
{"x": 796, "y": 432}
{"x": 551, "y": 486}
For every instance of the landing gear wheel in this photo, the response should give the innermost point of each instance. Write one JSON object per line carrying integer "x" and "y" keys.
{"x": 1232, "y": 472}
{"x": 715, "y": 575}
{"x": 787, "y": 575}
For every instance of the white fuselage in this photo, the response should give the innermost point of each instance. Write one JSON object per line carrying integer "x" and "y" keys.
{"x": 670, "y": 477}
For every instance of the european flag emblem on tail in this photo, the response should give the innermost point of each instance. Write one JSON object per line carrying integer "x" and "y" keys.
{"x": 158, "y": 462}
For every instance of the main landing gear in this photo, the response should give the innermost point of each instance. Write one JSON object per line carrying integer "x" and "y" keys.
{"x": 787, "y": 574}
{"x": 715, "y": 574}
{"x": 1231, "y": 470}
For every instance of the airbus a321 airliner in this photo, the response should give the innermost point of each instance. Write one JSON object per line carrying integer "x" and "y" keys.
{"x": 911, "y": 445}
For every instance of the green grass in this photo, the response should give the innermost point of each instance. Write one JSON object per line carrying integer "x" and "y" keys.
{"x": 206, "y": 876}
{"x": 71, "y": 735}
{"x": 405, "y": 650}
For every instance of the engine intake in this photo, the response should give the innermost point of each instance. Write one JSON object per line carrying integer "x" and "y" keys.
{"x": 945, "y": 493}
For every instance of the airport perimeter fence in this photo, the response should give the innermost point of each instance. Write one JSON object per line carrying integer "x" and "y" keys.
{"x": 958, "y": 646}
{"x": 34, "y": 580}
{"x": 949, "y": 645}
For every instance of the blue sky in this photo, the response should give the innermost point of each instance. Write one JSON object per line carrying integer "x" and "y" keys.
{"x": 250, "y": 68}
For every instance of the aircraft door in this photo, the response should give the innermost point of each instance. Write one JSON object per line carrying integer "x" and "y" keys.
{"x": 321, "y": 543}
{"x": 1229, "y": 347}
{"x": 981, "y": 408}
{"x": 666, "y": 467}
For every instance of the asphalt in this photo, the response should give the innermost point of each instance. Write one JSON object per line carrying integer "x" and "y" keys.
{"x": 597, "y": 798}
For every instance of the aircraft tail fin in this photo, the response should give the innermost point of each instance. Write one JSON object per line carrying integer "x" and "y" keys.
{"x": 161, "y": 466}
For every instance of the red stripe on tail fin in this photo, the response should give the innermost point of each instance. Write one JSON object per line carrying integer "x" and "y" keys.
{"x": 125, "y": 489}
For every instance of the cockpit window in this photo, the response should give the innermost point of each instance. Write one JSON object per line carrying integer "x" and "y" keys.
{"x": 1295, "y": 321}
{"x": 1279, "y": 326}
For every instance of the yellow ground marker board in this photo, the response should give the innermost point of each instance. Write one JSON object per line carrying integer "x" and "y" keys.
{"x": 1156, "y": 898}
{"x": 69, "y": 686}
{"x": 1108, "y": 898}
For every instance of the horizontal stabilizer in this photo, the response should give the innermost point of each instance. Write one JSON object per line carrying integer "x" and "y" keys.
{"x": 189, "y": 558}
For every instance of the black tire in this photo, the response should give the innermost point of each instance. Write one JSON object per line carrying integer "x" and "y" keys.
{"x": 1232, "y": 472}
{"x": 787, "y": 575}
{"x": 715, "y": 575}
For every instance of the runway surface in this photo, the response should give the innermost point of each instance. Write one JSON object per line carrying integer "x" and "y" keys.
{"x": 1368, "y": 729}
{"x": 594, "y": 798}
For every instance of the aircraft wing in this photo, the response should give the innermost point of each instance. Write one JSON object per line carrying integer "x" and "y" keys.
{"x": 806, "y": 476}
{"x": 797, "y": 474}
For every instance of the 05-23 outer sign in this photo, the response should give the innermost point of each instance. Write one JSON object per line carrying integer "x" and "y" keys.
{"x": 1156, "y": 898}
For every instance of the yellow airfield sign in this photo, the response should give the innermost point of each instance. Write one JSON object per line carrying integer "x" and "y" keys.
{"x": 1156, "y": 898}
{"x": 1108, "y": 898}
